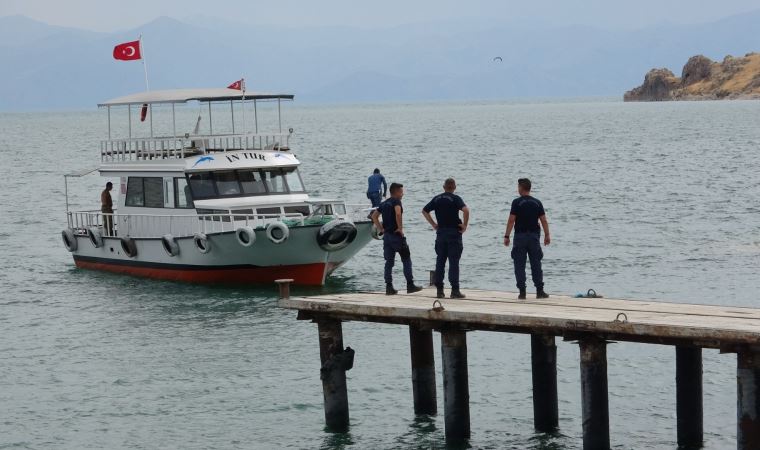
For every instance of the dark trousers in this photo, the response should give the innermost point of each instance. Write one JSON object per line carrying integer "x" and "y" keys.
{"x": 448, "y": 246}
{"x": 528, "y": 245}
{"x": 393, "y": 243}
{"x": 375, "y": 198}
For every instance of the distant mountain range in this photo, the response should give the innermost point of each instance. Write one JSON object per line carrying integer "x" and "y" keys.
{"x": 47, "y": 67}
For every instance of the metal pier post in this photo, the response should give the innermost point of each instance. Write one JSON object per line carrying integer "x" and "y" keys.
{"x": 423, "y": 370}
{"x": 543, "y": 353}
{"x": 596, "y": 420}
{"x": 333, "y": 374}
{"x": 748, "y": 401}
{"x": 689, "y": 417}
{"x": 456, "y": 394}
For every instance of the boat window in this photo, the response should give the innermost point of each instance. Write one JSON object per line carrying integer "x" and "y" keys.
{"x": 227, "y": 183}
{"x": 134, "y": 192}
{"x": 268, "y": 211}
{"x": 147, "y": 192}
{"x": 339, "y": 209}
{"x": 295, "y": 184}
{"x": 300, "y": 209}
{"x": 169, "y": 192}
{"x": 154, "y": 192}
{"x": 275, "y": 182}
{"x": 182, "y": 196}
{"x": 252, "y": 182}
{"x": 202, "y": 185}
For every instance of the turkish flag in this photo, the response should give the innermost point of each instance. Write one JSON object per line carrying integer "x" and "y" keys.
{"x": 236, "y": 85}
{"x": 127, "y": 51}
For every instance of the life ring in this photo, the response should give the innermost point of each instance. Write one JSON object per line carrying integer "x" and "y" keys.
{"x": 277, "y": 232}
{"x": 202, "y": 242}
{"x": 376, "y": 234}
{"x": 170, "y": 245}
{"x": 128, "y": 246}
{"x": 245, "y": 236}
{"x": 69, "y": 240}
{"x": 336, "y": 235}
{"x": 96, "y": 237}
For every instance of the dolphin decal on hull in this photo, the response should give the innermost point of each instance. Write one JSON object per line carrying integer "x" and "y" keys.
{"x": 203, "y": 159}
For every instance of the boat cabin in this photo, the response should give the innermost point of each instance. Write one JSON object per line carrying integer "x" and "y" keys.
{"x": 181, "y": 165}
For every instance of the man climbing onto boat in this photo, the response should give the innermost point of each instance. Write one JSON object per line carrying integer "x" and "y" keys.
{"x": 524, "y": 216}
{"x": 449, "y": 230}
{"x": 106, "y": 207}
{"x": 374, "y": 193}
{"x": 394, "y": 240}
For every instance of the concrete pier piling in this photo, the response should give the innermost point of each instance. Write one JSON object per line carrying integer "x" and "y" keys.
{"x": 543, "y": 353}
{"x": 590, "y": 321}
{"x": 689, "y": 414}
{"x": 748, "y": 398}
{"x": 456, "y": 390}
{"x": 423, "y": 370}
{"x": 594, "y": 395}
{"x": 333, "y": 374}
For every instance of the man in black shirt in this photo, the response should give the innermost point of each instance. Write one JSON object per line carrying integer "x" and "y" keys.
{"x": 449, "y": 230}
{"x": 524, "y": 216}
{"x": 394, "y": 240}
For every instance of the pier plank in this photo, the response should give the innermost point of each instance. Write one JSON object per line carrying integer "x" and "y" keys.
{"x": 562, "y": 315}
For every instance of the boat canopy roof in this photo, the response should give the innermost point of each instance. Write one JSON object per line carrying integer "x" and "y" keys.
{"x": 186, "y": 95}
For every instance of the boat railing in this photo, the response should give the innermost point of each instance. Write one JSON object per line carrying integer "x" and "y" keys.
{"x": 158, "y": 225}
{"x": 139, "y": 149}
{"x": 359, "y": 212}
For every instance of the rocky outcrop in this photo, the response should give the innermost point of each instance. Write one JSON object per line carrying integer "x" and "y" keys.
{"x": 658, "y": 84}
{"x": 702, "y": 79}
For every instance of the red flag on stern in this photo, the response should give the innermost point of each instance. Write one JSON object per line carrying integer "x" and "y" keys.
{"x": 128, "y": 51}
{"x": 237, "y": 85}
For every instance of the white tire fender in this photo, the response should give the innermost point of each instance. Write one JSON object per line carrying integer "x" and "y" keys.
{"x": 277, "y": 232}
{"x": 245, "y": 236}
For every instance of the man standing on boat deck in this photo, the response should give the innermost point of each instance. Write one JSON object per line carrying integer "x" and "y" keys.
{"x": 449, "y": 230}
{"x": 374, "y": 182}
{"x": 106, "y": 207}
{"x": 524, "y": 216}
{"x": 394, "y": 240}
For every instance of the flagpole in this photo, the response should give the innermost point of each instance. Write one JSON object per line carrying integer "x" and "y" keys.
{"x": 145, "y": 66}
{"x": 243, "y": 87}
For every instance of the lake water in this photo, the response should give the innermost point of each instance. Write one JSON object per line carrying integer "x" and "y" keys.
{"x": 656, "y": 200}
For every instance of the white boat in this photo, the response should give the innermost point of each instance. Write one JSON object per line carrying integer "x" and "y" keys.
{"x": 211, "y": 207}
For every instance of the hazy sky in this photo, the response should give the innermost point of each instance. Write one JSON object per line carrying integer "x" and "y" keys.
{"x": 109, "y": 15}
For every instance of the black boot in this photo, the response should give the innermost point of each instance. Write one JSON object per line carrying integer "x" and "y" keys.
{"x": 439, "y": 292}
{"x": 522, "y": 295}
{"x": 541, "y": 294}
{"x": 389, "y": 289}
{"x": 456, "y": 293}
{"x": 411, "y": 288}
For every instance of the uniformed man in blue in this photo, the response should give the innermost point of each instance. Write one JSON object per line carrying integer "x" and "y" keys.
{"x": 394, "y": 240}
{"x": 524, "y": 217}
{"x": 449, "y": 230}
{"x": 374, "y": 193}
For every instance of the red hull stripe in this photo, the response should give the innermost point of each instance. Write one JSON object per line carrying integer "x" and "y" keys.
{"x": 304, "y": 274}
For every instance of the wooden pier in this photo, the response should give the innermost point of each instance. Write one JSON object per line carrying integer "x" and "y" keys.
{"x": 592, "y": 322}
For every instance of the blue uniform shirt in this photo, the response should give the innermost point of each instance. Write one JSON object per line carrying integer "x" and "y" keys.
{"x": 388, "y": 212}
{"x": 446, "y": 207}
{"x": 527, "y": 211}
{"x": 375, "y": 181}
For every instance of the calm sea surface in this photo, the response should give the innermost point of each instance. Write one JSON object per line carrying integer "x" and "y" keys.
{"x": 656, "y": 200}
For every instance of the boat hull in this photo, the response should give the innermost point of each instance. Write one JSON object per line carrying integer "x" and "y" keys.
{"x": 227, "y": 261}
